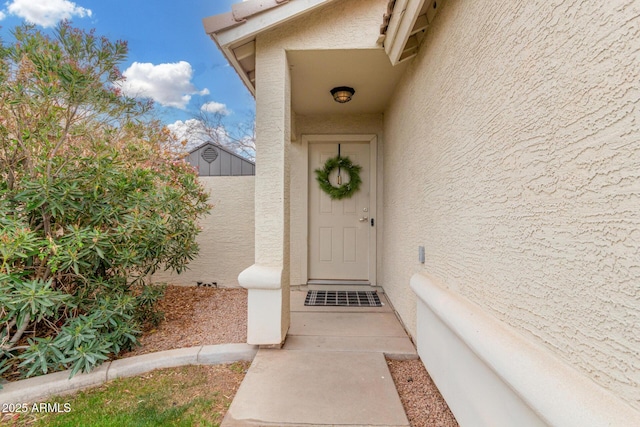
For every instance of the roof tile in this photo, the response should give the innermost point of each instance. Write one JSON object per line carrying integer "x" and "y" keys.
{"x": 215, "y": 23}
{"x": 253, "y": 7}
{"x": 386, "y": 18}
{"x": 239, "y": 14}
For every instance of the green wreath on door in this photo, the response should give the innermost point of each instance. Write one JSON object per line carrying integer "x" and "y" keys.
{"x": 341, "y": 191}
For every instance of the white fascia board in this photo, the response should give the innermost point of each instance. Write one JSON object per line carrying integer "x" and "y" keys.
{"x": 266, "y": 20}
{"x": 405, "y": 15}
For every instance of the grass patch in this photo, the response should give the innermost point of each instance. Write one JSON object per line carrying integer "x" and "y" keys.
{"x": 184, "y": 396}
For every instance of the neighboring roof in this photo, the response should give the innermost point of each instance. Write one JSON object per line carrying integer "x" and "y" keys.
{"x": 204, "y": 144}
{"x": 214, "y": 160}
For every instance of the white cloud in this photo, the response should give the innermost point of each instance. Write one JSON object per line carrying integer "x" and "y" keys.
{"x": 215, "y": 107}
{"x": 195, "y": 132}
{"x": 167, "y": 84}
{"x": 46, "y": 13}
{"x": 2, "y": 15}
{"x": 184, "y": 130}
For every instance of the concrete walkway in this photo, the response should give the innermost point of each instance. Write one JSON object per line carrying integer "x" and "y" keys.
{"x": 330, "y": 372}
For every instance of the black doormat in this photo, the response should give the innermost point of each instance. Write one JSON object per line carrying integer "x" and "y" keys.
{"x": 343, "y": 299}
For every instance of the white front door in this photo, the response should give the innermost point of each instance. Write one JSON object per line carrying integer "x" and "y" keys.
{"x": 340, "y": 230}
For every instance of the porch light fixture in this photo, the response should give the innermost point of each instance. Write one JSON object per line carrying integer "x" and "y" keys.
{"x": 342, "y": 94}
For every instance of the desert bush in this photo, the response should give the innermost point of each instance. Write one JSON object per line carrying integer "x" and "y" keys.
{"x": 91, "y": 203}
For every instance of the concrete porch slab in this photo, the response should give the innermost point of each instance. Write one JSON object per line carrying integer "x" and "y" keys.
{"x": 321, "y": 388}
{"x": 384, "y": 324}
{"x": 398, "y": 348}
{"x": 347, "y": 329}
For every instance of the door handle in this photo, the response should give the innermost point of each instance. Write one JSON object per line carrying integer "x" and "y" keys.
{"x": 364, "y": 218}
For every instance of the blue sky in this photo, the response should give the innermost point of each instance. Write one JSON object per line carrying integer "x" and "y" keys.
{"x": 169, "y": 53}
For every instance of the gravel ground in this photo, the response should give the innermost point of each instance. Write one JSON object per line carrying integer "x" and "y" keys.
{"x": 420, "y": 397}
{"x": 197, "y": 316}
{"x": 202, "y": 316}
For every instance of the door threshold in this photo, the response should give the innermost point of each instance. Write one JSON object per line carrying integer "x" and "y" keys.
{"x": 342, "y": 285}
{"x": 339, "y": 282}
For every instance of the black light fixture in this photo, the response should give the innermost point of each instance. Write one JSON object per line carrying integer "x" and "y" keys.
{"x": 342, "y": 94}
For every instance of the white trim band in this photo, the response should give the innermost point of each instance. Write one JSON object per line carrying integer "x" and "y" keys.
{"x": 491, "y": 375}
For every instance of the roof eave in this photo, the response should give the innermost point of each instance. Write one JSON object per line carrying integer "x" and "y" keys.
{"x": 404, "y": 26}
{"x": 231, "y": 58}
{"x": 234, "y": 29}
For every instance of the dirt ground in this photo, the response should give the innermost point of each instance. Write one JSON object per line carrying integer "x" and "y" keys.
{"x": 197, "y": 316}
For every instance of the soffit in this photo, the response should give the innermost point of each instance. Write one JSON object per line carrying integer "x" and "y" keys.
{"x": 315, "y": 72}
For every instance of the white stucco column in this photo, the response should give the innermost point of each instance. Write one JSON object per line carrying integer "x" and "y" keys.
{"x": 268, "y": 279}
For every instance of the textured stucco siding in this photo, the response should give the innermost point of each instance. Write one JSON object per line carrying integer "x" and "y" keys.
{"x": 271, "y": 146}
{"x": 352, "y": 24}
{"x": 512, "y": 153}
{"x": 227, "y": 237}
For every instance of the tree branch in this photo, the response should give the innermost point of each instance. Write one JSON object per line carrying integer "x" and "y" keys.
{"x": 10, "y": 325}
{"x": 16, "y": 337}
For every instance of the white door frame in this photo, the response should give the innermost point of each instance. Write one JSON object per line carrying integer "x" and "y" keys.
{"x": 372, "y": 140}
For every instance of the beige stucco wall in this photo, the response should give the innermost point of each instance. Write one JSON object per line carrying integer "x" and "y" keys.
{"x": 518, "y": 168}
{"x": 227, "y": 237}
{"x": 333, "y": 26}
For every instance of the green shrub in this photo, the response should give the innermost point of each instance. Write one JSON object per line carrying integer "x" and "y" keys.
{"x": 91, "y": 203}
